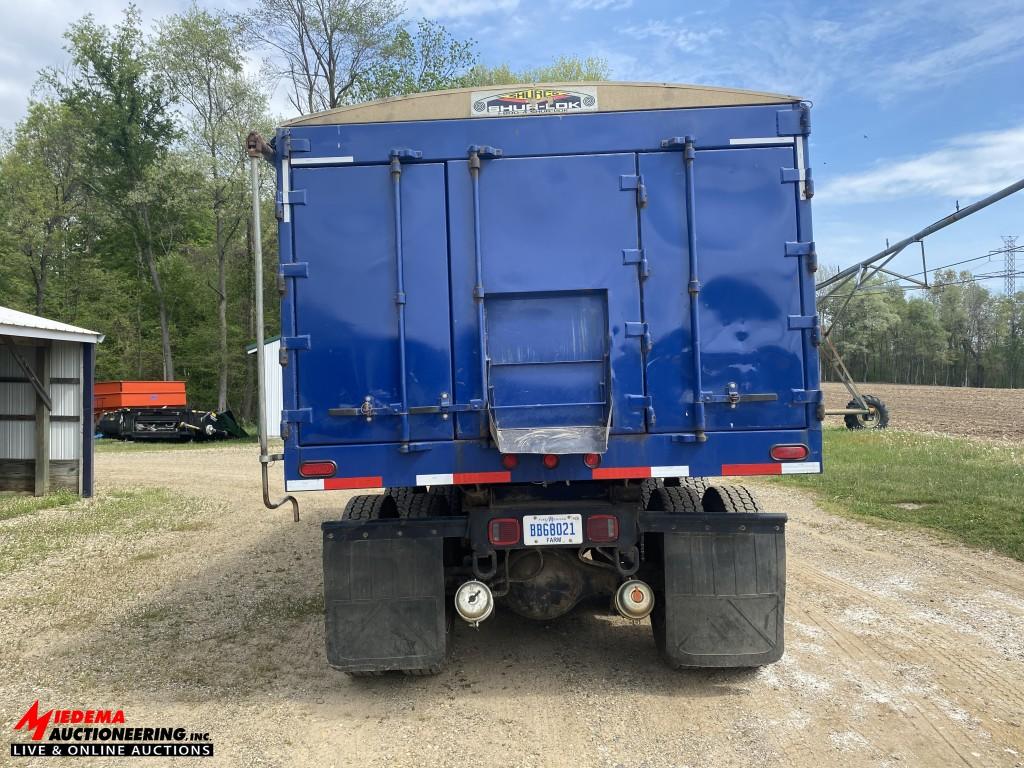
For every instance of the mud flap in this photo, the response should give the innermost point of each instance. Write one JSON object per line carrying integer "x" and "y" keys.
{"x": 384, "y": 603}
{"x": 725, "y": 597}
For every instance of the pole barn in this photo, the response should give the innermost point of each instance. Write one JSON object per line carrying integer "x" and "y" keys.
{"x": 46, "y": 393}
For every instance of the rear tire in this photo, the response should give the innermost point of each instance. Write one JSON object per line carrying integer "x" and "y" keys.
{"x": 680, "y": 499}
{"x": 699, "y": 484}
{"x": 371, "y": 507}
{"x": 878, "y": 419}
{"x": 730, "y": 498}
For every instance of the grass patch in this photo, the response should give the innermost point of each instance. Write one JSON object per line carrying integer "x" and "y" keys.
{"x": 121, "y": 514}
{"x": 18, "y": 505}
{"x": 971, "y": 491}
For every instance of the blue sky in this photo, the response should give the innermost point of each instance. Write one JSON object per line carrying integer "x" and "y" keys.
{"x": 916, "y": 104}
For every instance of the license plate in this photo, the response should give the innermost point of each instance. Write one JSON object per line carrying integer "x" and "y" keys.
{"x": 552, "y": 529}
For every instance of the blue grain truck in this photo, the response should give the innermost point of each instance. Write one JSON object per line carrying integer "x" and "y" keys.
{"x": 527, "y": 324}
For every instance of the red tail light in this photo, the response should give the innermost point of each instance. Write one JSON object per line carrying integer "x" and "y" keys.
{"x": 788, "y": 452}
{"x": 550, "y": 460}
{"x": 509, "y": 460}
{"x": 317, "y": 468}
{"x": 503, "y": 531}
{"x": 602, "y": 528}
{"x": 592, "y": 460}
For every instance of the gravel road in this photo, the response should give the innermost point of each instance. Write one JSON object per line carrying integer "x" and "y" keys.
{"x": 901, "y": 650}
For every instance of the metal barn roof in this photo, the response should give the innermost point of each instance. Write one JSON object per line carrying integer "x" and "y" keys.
{"x": 15, "y": 323}
{"x": 594, "y": 96}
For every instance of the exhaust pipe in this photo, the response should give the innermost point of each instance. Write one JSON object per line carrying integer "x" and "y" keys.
{"x": 634, "y": 600}
{"x": 474, "y": 602}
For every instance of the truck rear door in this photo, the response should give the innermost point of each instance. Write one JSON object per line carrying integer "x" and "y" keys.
{"x": 751, "y": 327}
{"x": 346, "y": 306}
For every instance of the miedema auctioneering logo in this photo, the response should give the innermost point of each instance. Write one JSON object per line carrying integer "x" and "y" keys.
{"x": 102, "y": 733}
{"x": 533, "y": 101}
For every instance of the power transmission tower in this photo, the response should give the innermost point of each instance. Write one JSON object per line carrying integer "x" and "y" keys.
{"x": 1010, "y": 248}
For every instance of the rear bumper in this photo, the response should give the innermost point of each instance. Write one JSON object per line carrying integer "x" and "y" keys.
{"x": 472, "y": 462}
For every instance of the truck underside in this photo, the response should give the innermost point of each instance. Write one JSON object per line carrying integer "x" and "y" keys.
{"x": 703, "y": 561}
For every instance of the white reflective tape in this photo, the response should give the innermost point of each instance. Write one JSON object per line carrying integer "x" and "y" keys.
{"x": 801, "y": 468}
{"x": 435, "y": 479}
{"x": 670, "y": 471}
{"x": 316, "y": 484}
{"x": 762, "y": 140}
{"x": 801, "y": 168}
{"x": 286, "y": 185}
{"x": 338, "y": 160}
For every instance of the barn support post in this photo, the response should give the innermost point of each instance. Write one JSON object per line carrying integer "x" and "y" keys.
{"x": 85, "y": 475}
{"x": 42, "y": 479}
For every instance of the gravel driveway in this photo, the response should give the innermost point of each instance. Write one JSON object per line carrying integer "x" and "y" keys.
{"x": 901, "y": 650}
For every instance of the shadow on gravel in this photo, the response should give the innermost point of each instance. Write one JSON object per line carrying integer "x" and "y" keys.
{"x": 250, "y": 622}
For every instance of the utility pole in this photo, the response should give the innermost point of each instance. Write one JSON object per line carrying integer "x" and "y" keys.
{"x": 1010, "y": 249}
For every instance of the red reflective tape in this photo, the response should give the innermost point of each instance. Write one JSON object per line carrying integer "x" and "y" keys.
{"x": 470, "y": 478}
{"x": 621, "y": 473}
{"x": 751, "y": 469}
{"x": 344, "y": 483}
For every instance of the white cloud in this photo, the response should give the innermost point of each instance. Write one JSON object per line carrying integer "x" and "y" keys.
{"x": 450, "y": 9}
{"x": 32, "y": 39}
{"x": 967, "y": 166}
{"x": 600, "y": 5}
{"x": 675, "y": 33}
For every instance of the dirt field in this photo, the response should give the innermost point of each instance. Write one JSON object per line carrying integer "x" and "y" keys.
{"x": 901, "y": 650}
{"x": 958, "y": 411}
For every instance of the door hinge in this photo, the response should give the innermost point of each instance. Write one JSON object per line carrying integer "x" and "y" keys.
{"x": 639, "y": 330}
{"x": 630, "y": 182}
{"x": 801, "y": 177}
{"x": 293, "y": 145}
{"x": 794, "y": 122}
{"x": 297, "y": 416}
{"x": 636, "y": 256}
{"x": 292, "y": 342}
{"x": 806, "y": 323}
{"x": 806, "y": 250}
{"x": 807, "y": 396}
{"x": 289, "y": 197}
{"x": 644, "y": 403}
{"x": 295, "y": 269}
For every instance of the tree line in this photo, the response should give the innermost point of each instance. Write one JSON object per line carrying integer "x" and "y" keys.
{"x": 956, "y": 333}
{"x": 124, "y": 204}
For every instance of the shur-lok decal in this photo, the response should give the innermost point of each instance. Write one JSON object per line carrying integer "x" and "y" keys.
{"x": 533, "y": 101}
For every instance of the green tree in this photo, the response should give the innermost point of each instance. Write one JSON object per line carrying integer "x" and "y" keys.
{"x": 201, "y": 54}
{"x": 427, "y": 59}
{"x": 562, "y": 69}
{"x": 120, "y": 101}
{"x": 321, "y": 48}
{"x": 40, "y": 185}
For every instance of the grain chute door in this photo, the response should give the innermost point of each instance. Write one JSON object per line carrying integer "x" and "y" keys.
{"x": 562, "y": 342}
